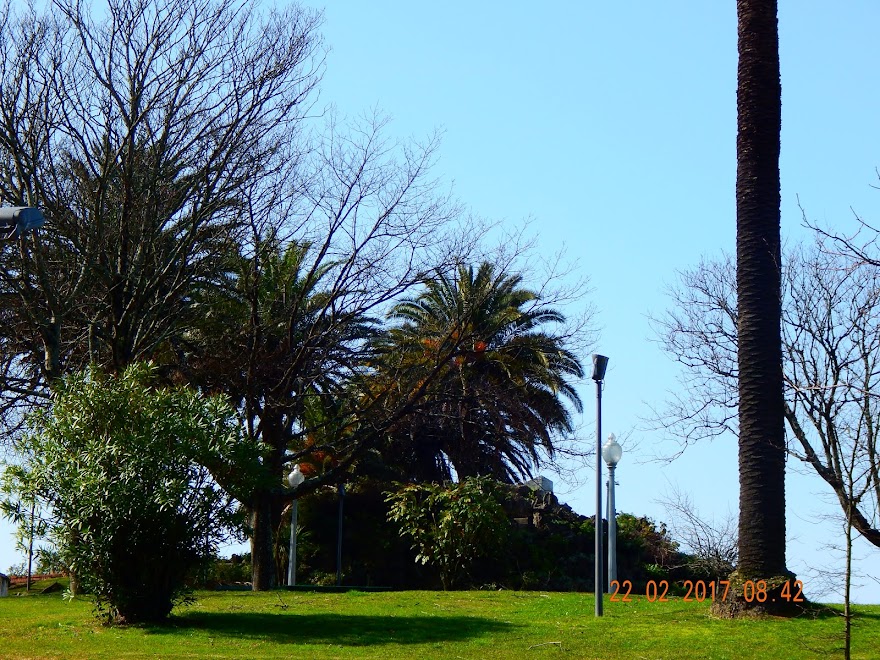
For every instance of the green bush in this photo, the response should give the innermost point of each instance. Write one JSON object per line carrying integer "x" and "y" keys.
{"x": 116, "y": 464}
{"x": 557, "y": 554}
{"x": 451, "y": 525}
{"x": 373, "y": 552}
{"x": 216, "y": 572}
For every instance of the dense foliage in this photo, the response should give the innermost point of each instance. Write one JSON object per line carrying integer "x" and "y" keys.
{"x": 546, "y": 545}
{"x": 492, "y": 360}
{"x": 115, "y": 462}
{"x": 451, "y": 525}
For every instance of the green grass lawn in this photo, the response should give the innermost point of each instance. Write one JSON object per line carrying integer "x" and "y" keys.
{"x": 418, "y": 625}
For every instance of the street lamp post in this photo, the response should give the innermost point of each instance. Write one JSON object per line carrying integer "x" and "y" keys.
{"x": 295, "y": 478}
{"x": 612, "y": 453}
{"x": 600, "y": 363}
{"x": 14, "y": 222}
{"x": 339, "y": 537}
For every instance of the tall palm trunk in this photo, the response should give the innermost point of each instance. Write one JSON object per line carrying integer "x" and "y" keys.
{"x": 758, "y": 283}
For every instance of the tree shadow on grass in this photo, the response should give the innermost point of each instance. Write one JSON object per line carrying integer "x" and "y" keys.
{"x": 349, "y": 630}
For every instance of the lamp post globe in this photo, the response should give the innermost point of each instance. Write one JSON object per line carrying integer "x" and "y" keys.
{"x": 295, "y": 478}
{"x": 612, "y": 451}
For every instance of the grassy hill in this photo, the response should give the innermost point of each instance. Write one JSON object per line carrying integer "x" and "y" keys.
{"x": 423, "y": 625}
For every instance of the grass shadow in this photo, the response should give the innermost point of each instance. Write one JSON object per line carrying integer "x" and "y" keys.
{"x": 350, "y": 630}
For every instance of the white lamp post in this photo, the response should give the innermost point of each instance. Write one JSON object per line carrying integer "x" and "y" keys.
{"x": 295, "y": 478}
{"x": 612, "y": 453}
{"x": 600, "y": 363}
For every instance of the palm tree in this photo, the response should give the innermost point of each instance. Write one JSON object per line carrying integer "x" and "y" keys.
{"x": 276, "y": 340}
{"x": 758, "y": 283}
{"x": 496, "y": 384}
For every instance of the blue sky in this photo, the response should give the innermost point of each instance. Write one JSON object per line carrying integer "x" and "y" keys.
{"x": 612, "y": 126}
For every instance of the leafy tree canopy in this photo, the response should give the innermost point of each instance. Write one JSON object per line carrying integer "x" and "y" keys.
{"x": 500, "y": 377}
{"x": 451, "y": 525}
{"x": 116, "y": 464}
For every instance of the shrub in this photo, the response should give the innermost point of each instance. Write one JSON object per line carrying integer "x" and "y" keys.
{"x": 116, "y": 462}
{"x": 451, "y": 525}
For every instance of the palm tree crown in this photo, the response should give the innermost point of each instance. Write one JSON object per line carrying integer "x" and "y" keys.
{"x": 496, "y": 382}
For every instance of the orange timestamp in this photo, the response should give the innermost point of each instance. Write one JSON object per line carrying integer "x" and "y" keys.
{"x": 702, "y": 590}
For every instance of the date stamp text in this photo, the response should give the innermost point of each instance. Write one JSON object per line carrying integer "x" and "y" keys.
{"x": 701, "y": 590}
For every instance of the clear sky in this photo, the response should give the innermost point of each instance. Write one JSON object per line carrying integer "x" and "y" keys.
{"x": 612, "y": 126}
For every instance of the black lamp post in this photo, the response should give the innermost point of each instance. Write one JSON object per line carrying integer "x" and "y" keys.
{"x": 600, "y": 363}
{"x": 339, "y": 537}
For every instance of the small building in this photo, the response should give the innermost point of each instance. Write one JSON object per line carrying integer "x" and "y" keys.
{"x": 4, "y": 585}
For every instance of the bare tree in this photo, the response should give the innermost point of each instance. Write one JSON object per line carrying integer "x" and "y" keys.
{"x": 286, "y": 333}
{"x": 833, "y": 412}
{"x": 699, "y": 332}
{"x": 831, "y": 339}
{"x": 833, "y": 578}
{"x": 861, "y": 247}
{"x": 856, "y": 485}
{"x": 712, "y": 542}
{"x": 144, "y": 131}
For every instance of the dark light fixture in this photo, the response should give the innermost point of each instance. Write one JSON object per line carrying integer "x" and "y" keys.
{"x": 16, "y": 220}
{"x": 600, "y": 363}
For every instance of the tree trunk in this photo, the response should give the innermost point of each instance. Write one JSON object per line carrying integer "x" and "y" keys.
{"x": 263, "y": 575}
{"x": 758, "y": 282}
{"x": 847, "y": 587}
{"x": 73, "y": 585}
{"x": 266, "y": 506}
